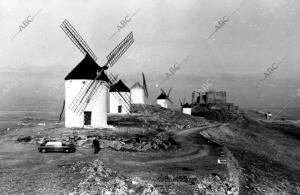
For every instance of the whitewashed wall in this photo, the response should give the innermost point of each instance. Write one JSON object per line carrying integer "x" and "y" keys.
{"x": 187, "y": 111}
{"x": 137, "y": 96}
{"x": 163, "y": 103}
{"x": 115, "y": 100}
{"x": 98, "y": 108}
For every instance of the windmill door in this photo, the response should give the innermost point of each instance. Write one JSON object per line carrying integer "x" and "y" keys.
{"x": 87, "y": 117}
{"x": 119, "y": 109}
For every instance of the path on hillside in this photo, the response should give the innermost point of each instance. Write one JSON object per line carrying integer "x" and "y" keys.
{"x": 202, "y": 150}
{"x": 194, "y": 130}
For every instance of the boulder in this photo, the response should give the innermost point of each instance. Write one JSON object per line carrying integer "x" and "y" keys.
{"x": 24, "y": 139}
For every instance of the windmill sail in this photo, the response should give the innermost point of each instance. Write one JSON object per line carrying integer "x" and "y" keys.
{"x": 165, "y": 95}
{"x": 120, "y": 49}
{"x": 163, "y": 91}
{"x": 125, "y": 99}
{"x": 180, "y": 102}
{"x": 77, "y": 39}
{"x": 89, "y": 90}
{"x": 86, "y": 93}
{"x": 169, "y": 92}
{"x": 86, "y": 96}
{"x": 145, "y": 86}
{"x": 62, "y": 110}
{"x": 168, "y": 96}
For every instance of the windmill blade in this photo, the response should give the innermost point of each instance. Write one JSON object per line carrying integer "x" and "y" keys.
{"x": 62, "y": 111}
{"x": 88, "y": 91}
{"x": 180, "y": 102}
{"x": 116, "y": 76}
{"x": 120, "y": 49}
{"x": 92, "y": 97}
{"x": 79, "y": 97}
{"x": 77, "y": 39}
{"x": 73, "y": 39}
{"x": 125, "y": 100}
{"x": 184, "y": 100}
{"x": 83, "y": 98}
{"x": 113, "y": 78}
{"x": 127, "y": 105}
{"x": 169, "y": 91}
{"x": 163, "y": 91}
{"x": 145, "y": 86}
{"x": 86, "y": 96}
{"x": 170, "y": 100}
{"x": 80, "y": 40}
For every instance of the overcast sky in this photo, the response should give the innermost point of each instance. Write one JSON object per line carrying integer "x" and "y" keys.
{"x": 258, "y": 34}
{"x": 166, "y": 31}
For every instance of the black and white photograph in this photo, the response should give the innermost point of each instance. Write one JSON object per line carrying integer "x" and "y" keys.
{"x": 160, "y": 97}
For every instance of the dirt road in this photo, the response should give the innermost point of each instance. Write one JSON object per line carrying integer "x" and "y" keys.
{"x": 193, "y": 150}
{"x": 24, "y": 170}
{"x": 195, "y": 129}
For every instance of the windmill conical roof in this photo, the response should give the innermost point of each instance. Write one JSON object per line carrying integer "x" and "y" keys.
{"x": 87, "y": 69}
{"x": 137, "y": 85}
{"x": 186, "y": 105}
{"x": 162, "y": 96}
{"x": 119, "y": 87}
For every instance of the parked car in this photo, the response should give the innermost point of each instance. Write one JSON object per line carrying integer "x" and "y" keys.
{"x": 56, "y": 146}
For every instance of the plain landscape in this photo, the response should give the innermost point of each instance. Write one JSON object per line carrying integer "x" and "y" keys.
{"x": 155, "y": 151}
{"x": 197, "y": 97}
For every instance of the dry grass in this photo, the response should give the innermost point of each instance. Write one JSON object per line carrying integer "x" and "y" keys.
{"x": 270, "y": 159}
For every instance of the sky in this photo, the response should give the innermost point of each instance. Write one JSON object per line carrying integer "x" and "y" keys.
{"x": 258, "y": 34}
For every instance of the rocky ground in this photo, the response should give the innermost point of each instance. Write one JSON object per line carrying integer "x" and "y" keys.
{"x": 269, "y": 159}
{"x": 154, "y": 151}
{"x": 158, "y": 118}
{"x": 135, "y": 143}
{"x": 96, "y": 179}
{"x": 136, "y": 158}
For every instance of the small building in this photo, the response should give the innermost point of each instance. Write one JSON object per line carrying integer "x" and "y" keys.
{"x": 203, "y": 102}
{"x": 199, "y": 97}
{"x": 119, "y": 98}
{"x": 187, "y": 109}
{"x": 268, "y": 115}
{"x": 163, "y": 100}
{"x": 209, "y": 97}
{"x": 94, "y": 115}
{"x": 137, "y": 93}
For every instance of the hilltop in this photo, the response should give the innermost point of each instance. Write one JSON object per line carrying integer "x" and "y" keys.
{"x": 153, "y": 151}
{"x": 267, "y": 154}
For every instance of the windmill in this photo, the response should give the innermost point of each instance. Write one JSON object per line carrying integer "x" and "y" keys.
{"x": 164, "y": 98}
{"x": 116, "y": 103}
{"x": 86, "y": 86}
{"x": 185, "y": 107}
{"x": 138, "y": 92}
{"x": 182, "y": 103}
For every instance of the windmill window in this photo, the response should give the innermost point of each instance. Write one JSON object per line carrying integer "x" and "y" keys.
{"x": 83, "y": 82}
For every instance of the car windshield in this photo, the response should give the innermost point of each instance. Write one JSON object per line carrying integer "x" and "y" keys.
{"x": 50, "y": 143}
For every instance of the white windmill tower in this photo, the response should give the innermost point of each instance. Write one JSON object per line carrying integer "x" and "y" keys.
{"x": 86, "y": 86}
{"x": 138, "y": 92}
{"x": 163, "y": 99}
{"x": 117, "y": 103}
{"x": 186, "y": 107}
